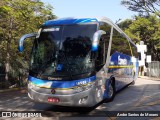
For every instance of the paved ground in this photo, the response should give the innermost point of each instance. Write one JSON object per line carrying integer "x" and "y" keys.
{"x": 143, "y": 96}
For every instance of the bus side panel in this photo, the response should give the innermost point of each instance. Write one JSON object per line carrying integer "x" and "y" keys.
{"x": 122, "y": 69}
{"x": 137, "y": 69}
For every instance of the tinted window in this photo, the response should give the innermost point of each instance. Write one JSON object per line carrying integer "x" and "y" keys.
{"x": 63, "y": 51}
{"x": 103, "y": 45}
{"x": 81, "y": 30}
{"x": 120, "y": 44}
{"x": 106, "y": 37}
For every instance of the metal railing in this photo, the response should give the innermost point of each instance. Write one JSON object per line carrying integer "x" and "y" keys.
{"x": 154, "y": 69}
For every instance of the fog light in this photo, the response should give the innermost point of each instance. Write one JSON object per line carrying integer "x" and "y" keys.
{"x": 83, "y": 100}
{"x": 31, "y": 85}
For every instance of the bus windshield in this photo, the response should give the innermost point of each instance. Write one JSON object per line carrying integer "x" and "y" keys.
{"x": 63, "y": 51}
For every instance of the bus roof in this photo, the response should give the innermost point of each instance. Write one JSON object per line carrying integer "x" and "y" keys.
{"x": 69, "y": 21}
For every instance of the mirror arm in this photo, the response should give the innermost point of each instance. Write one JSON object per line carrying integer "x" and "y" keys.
{"x": 22, "y": 39}
{"x": 96, "y": 39}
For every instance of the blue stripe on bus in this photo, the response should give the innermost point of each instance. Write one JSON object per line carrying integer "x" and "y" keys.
{"x": 60, "y": 83}
{"x": 67, "y": 21}
{"x": 20, "y": 48}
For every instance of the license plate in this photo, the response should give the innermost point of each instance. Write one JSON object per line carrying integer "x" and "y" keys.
{"x": 52, "y": 99}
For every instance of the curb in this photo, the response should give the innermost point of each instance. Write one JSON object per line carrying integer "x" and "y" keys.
{"x": 149, "y": 78}
{"x": 13, "y": 89}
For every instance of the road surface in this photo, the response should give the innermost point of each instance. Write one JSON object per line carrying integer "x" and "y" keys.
{"x": 143, "y": 96}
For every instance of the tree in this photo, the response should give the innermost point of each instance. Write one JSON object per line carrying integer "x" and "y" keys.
{"x": 124, "y": 24}
{"x": 19, "y": 17}
{"x": 147, "y": 30}
{"x": 144, "y": 7}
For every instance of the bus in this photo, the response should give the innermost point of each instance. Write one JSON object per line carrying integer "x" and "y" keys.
{"x": 79, "y": 61}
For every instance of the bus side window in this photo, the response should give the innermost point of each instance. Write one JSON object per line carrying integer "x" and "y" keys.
{"x": 100, "y": 57}
{"x": 102, "y": 52}
{"x": 120, "y": 44}
{"x": 103, "y": 46}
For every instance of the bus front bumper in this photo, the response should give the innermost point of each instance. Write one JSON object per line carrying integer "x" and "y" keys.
{"x": 82, "y": 99}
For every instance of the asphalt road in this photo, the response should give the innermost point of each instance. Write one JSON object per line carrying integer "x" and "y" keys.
{"x": 143, "y": 96}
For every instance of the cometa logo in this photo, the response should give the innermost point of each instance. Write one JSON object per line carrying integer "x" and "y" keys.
{"x": 122, "y": 61}
{"x": 51, "y": 78}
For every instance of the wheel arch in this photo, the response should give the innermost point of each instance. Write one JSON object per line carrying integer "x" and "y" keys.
{"x": 112, "y": 78}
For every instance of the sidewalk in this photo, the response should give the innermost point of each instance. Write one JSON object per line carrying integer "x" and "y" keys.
{"x": 150, "y": 78}
{"x": 21, "y": 89}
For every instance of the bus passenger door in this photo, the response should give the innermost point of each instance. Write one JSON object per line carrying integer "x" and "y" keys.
{"x": 120, "y": 63}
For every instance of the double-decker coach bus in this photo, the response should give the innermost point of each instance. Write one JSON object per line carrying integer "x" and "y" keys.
{"x": 80, "y": 61}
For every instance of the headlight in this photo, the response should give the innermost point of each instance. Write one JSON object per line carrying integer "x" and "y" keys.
{"x": 83, "y": 87}
{"x": 31, "y": 85}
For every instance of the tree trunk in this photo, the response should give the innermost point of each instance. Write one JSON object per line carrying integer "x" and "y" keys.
{"x": 7, "y": 69}
{"x": 7, "y": 62}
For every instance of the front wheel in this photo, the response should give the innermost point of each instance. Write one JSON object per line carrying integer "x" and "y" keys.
{"x": 110, "y": 91}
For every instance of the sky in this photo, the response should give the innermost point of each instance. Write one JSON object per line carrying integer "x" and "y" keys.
{"x": 111, "y": 9}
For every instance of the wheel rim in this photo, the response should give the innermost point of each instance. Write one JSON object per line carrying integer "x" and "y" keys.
{"x": 110, "y": 91}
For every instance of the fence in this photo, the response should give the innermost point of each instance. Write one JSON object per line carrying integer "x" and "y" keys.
{"x": 154, "y": 69}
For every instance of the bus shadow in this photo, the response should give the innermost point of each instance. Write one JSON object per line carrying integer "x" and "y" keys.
{"x": 53, "y": 110}
{"x": 50, "y": 110}
{"x": 137, "y": 97}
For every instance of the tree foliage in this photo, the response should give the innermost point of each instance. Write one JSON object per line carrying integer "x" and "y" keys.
{"x": 18, "y": 17}
{"x": 144, "y": 7}
{"x": 147, "y": 30}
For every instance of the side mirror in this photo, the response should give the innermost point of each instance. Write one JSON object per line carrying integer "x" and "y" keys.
{"x": 22, "y": 39}
{"x": 96, "y": 38}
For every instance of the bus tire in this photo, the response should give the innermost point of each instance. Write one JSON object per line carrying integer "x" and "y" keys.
{"x": 110, "y": 90}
